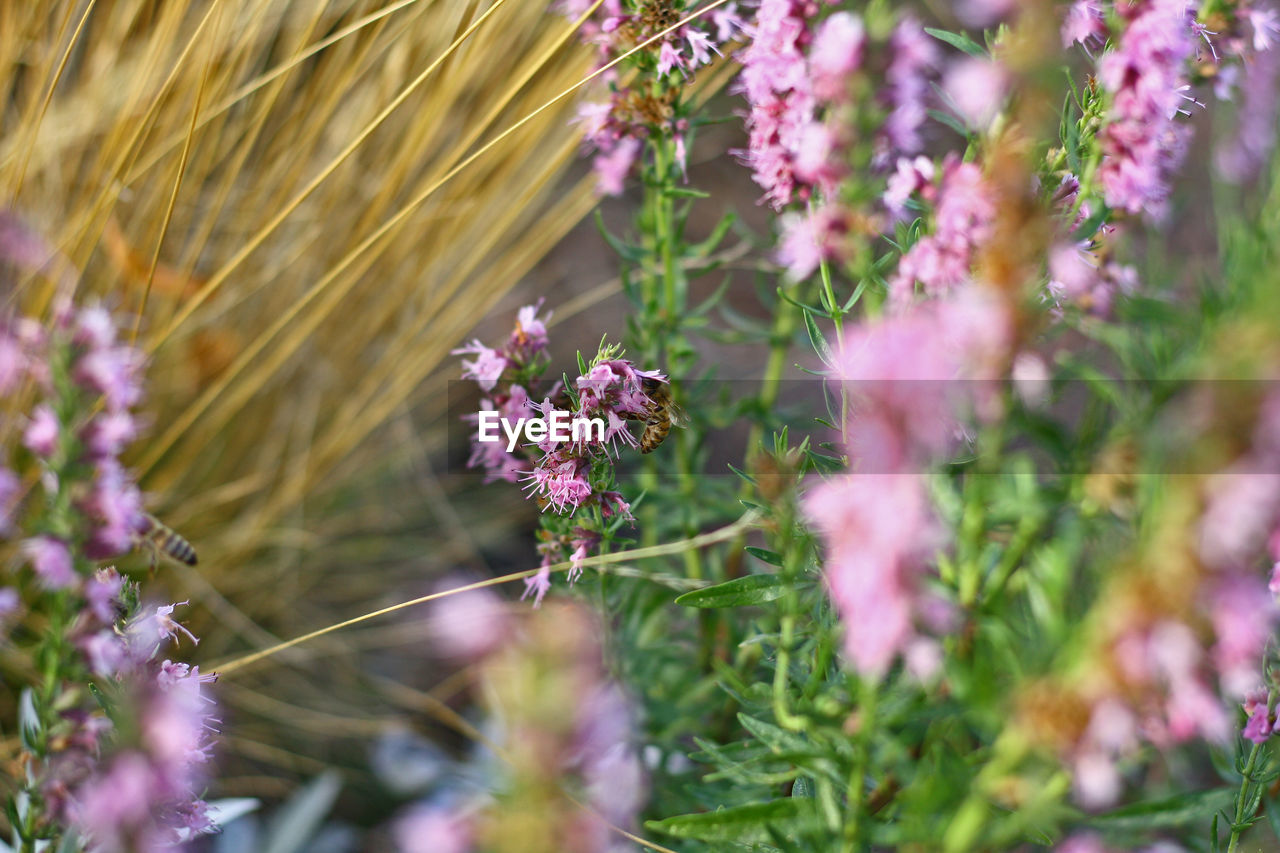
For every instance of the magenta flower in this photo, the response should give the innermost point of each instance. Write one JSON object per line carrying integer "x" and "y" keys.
{"x": 51, "y": 559}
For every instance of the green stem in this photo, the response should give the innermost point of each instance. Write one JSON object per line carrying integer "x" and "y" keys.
{"x": 867, "y": 696}
{"x": 1238, "y": 823}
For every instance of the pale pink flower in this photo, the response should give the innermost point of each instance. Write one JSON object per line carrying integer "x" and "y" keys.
{"x": 432, "y": 829}
{"x": 977, "y": 89}
{"x": 487, "y": 366}
{"x": 1085, "y": 24}
{"x": 468, "y": 625}
{"x": 612, "y": 167}
{"x": 41, "y": 435}
{"x": 51, "y": 559}
{"x": 835, "y": 54}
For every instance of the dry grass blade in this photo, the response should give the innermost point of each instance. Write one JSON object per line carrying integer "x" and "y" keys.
{"x": 723, "y": 534}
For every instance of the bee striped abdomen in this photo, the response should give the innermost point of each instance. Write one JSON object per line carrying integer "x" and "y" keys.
{"x": 166, "y": 540}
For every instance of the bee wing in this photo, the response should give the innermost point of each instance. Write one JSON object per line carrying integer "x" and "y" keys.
{"x": 679, "y": 417}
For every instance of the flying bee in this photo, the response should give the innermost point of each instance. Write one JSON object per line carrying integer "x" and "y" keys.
{"x": 663, "y": 414}
{"x": 158, "y": 539}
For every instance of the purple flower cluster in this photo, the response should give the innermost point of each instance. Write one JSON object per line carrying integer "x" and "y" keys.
{"x": 76, "y": 364}
{"x": 145, "y": 795}
{"x": 560, "y": 474}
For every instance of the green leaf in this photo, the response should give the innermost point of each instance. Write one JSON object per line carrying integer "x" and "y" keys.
{"x": 28, "y": 720}
{"x": 739, "y": 592}
{"x": 958, "y": 41}
{"x": 773, "y": 558}
{"x": 686, "y": 192}
{"x": 1159, "y": 814}
{"x": 950, "y": 121}
{"x": 743, "y": 824}
{"x": 818, "y": 341}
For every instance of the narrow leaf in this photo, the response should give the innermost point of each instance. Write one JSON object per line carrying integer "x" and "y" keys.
{"x": 739, "y": 592}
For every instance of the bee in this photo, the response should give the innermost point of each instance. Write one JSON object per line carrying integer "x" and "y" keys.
{"x": 663, "y": 414}
{"x": 158, "y": 538}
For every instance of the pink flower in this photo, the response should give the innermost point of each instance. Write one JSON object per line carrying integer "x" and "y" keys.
{"x": 1259, "y": 726}
{"x": 576, "y": 561}
{"x": 468, "y": 625}
{"x": 876, "y": 531}
{"x": 700, "y": 46}
{"x": 612, "y": 167}
{"x": 835, "y": 54}
{"x": 41, "y": 435}
{"x": 963, "y": 217}
{"x": 539, "y": 585}
{"x": 102, "y": 593}
{"x": 911, "y": 177}
{"x": 112, "y": 372}
{"x": 115, "y": 506}
{"x": 669, "y": 57}
{"x": 13, "y": 362}
{"x": 51, "y": 559}
{"x": 1243, "y": 614}
{"x": 530, "y": 333}
{"x": 109, "y": 433}
{"x": 1142, "y": 145}
{"x": 147, "y": 632}
{"x": 1085, "y": 24}
{"x": 431, "y": 829}
{"x": 487, "y": 366}
{"x": 977, "y": 89}
{"x": 727, "y": 22}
